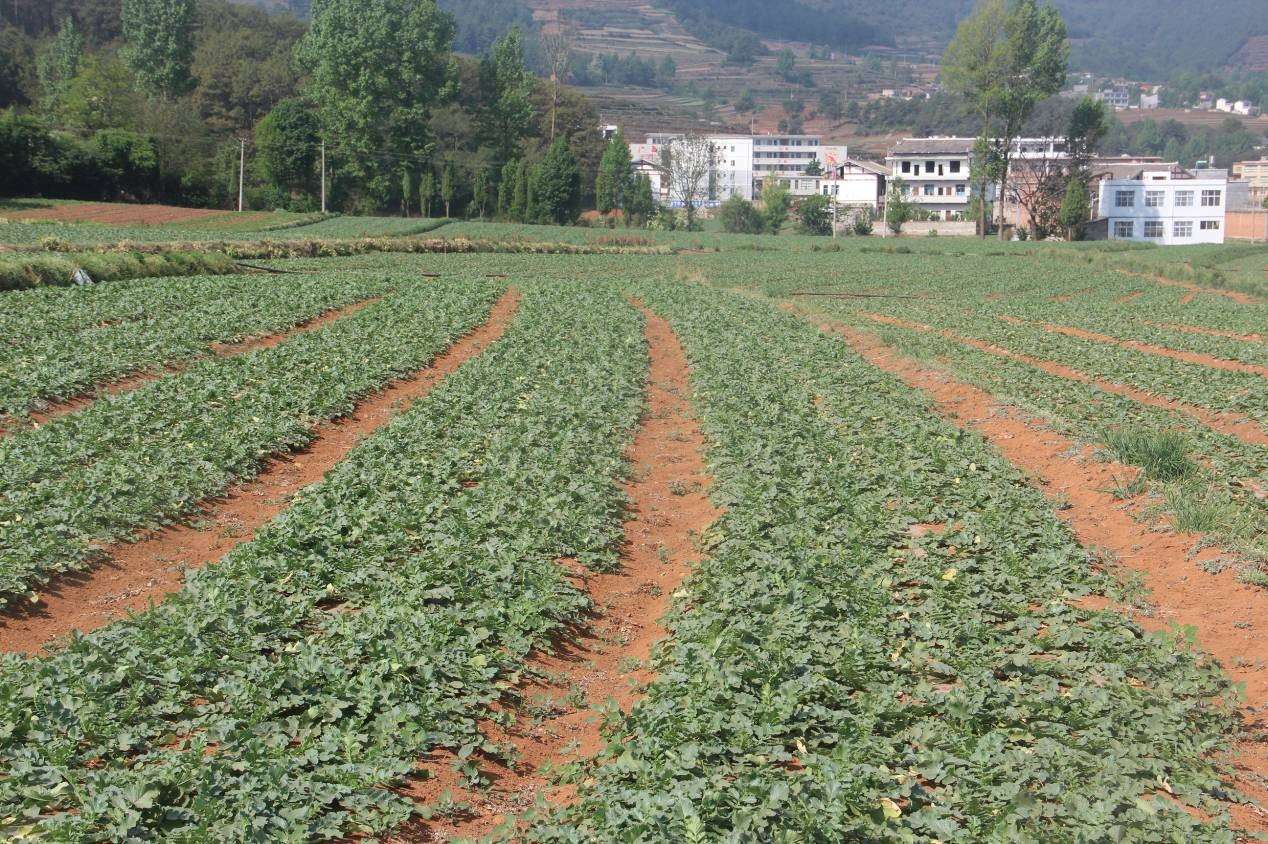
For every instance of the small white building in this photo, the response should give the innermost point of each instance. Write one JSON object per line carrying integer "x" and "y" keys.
{"x": 1169, "y": 207}
{"x": 935, "y": 173}
{"x": 856, "y": 184}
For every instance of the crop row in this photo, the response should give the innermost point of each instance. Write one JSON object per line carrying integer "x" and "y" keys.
{"x": 142, "y": 458}
{"x": 1208, "y": 480}
{"x": 886, "y": 641}
{"x": 376, "y": 620}
{"x": 134, "y": 326}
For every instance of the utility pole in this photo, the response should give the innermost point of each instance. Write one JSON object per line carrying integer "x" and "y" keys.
{"x": 323, "y": 176}
{"x": 242, "y": 169}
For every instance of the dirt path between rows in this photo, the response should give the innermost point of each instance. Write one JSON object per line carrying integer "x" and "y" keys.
{"x": 1153, "y": 349}
{"x": 1209, "y": 332}
{"x": 129, "y": 383}
{"x": 136, "y": 574}
{"x": 559, "y": 718}
{"x": 1239, "y": 298}
{"x": 1230, "y": 424}
{"x": 1231, "y": 617}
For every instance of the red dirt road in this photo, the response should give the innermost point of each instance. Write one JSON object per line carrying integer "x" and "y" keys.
{"x": 668, "y": 509}
{"x": 136, "y": 574}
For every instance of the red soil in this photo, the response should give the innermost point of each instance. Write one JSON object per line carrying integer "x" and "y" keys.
{"x": 136, "y": 574}
{"x": 1152, "y": 349}
{"x": 1227, "y": 613}
{"x": 1230, "y": 424}
{"x": 668, "y": 509}
{"x": 140, "y": 379}
{"x": 1240, "y": 298}
{"x": 1129, "y": 297}
{"x": 120, "y": 214}
{"x": 1209, "y": 332}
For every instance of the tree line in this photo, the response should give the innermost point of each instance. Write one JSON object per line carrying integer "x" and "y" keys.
{"x": 159, "y": 102}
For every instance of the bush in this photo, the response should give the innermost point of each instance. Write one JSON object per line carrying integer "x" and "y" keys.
{"x": 739, "y": 216}
{"x": 814, "y": 215}
{"x": 863, "y": 223}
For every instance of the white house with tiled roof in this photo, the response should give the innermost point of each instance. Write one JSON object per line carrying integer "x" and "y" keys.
{"x": 934, "y": 173}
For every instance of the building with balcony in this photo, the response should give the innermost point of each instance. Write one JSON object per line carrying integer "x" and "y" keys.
{"x": 1166, "y": 206}
{"x": 788, "y": 156}
{"x": 934, "y": 173}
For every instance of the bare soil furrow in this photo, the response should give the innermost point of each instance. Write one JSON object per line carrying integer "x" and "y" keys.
{"x": 224, "y": 350}
{"x": 1227, "y": 614}
{"x": 1230, "y": 424}
{"x": 1154, "y": 349}
{"x": 603, "y": 659}
{"x": 136, "y": 574}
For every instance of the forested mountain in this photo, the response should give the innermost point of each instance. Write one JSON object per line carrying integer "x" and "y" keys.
{"x": 1148, "y": 39}
{"x": 1145, "y": 39}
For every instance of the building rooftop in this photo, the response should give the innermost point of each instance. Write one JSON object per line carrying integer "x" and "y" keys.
{"x": 933, "y": 146}
{"x": 869, "y": 166}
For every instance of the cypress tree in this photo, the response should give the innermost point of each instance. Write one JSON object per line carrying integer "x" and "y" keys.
{"x": 558, "y": 188}
{"x": 614, "y": 182}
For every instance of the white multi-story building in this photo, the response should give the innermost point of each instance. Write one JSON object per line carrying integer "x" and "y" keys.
{"x": 1169, "y": 207}
{"x": 731, "y": 171}
{"x": 934, "y": 173}
{"x": 788, "y": 156}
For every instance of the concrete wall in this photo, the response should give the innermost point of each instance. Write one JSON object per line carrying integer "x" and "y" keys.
{"x": 1247, "y": 225}
{"x": 922, "y": 228}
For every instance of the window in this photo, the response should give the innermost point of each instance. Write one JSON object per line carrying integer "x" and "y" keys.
{"x": 1184, "y": 199}
{"x": 1211, "y": 198}
{"x": 1182, "y": 229}
{"x": 959, "y": 190}
{"x": 928, "y": 166}
{"x": 1124, "y": 199}
{"x": 1124, "y": 228}
{"x": 906, "y": 166}
{"x": 955, "y": 167}
{"x": 928, "y": 190}
{"x": 1153, "y": 198}
{"x": 1153, "y": 228}
{"x": 1210, "y": 225}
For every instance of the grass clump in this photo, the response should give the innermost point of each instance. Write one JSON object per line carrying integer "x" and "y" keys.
{"x": 1163, "y": 455}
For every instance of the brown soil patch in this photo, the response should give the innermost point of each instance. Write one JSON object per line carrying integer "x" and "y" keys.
{"x": 1127, "y": 298}
{"x": 120, "y": 214}
{"x": 604, "y": 661}
{"x": 1230, "y": 424}
{"x": 1209, "y": 332}
{"x": 1152, "y": 349}
{"x": 136, "y": 574}
{"x": 140, "y": 379}
{"x": 1236, "y": 296}
{"x": 1227, "y": 614}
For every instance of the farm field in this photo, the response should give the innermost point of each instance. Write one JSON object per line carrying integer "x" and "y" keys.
{"x": 768, "y": 539}
{"x": 29, "y": 223}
